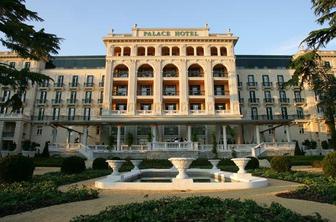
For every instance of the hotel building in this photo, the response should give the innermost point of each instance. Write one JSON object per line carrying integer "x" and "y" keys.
{"x": 164, "y": 89}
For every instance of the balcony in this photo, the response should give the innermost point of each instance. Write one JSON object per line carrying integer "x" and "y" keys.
{"x": 170, "y": 92}
{"x": 195, "y": 73}
{"x": 222, "y": 111}
{"x": 73, "y": 85}
{"x": 118, "y": 112}
{"x": 197, "y": 111}
{"x": 145, "y": 74}
{"x": 267, "y": 85}
{"x": 281, "y": 85}
{"x": 170, "y": 74}
{"x": 120, "y": 74}
{"x": 88, "y": 84}
{"x": 254, "y": 101}
{"x": 56, "y": 102}
{"x": 41, "y": 101}
{"x": 87, "y": 101}
{"x": 252, "y": 85}
{"x": 284, "y": 100}
{"x": 72, "y": 101}
{"x": 58, "y": 85}
{"x": 274, "y": 117}
{"x": 221, "y": 74}
{"x": 269, "y": 100}
{"x": 119, "y": 93}
{"x": 299, "y": 101}
{"x": 44, "y": 85}
{"x": 196, "y": 93}
{"x": 221, "y": 92}
{"x": 145, "y": 92}
{"x": 171, "y": 112}
{"x": 144, "y": 112}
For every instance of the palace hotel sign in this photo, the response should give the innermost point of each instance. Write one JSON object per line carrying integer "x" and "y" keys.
{"x": 170, "y": 33}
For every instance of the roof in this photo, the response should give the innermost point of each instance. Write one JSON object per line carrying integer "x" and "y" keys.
{"x": 98, "y": 61}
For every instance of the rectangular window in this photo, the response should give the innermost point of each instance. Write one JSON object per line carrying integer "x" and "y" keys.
{"x": 74, "y": 82}
{"x": 300, "y": 113}
{"x": 282, "y": 94}
{"x": 56, "y": 113}
{"x": 121, "y": 106}
{"x": 60, "y": 80}
{"x": 265, "y": 79}
{"x": 252, "y": 96}
{"x": 254, "y": 113}
{"x": 6, "y": 95}
{"x": 284, "y": 113}
{"x": 73, "y": 96}
{"x": 195, "y": 106}
{"x": 40, "y": 114}
{"x": 71, "y": 113}
{"x": 87, "y": 113}
{"x": 297, "y": 94}
{"x": 43, "y": 96}
{"x": 89, "y": 80}
{"x": 145, "y": 106}
{"x": 58, "y": 96}
{"x": 268, "y": 94}
{"x": 170, "y": 106}
{"x": 269, "y": 113}
{"x": 280, "y": 79}
{"x": 88, "y": 96}
{"x": 39, "y": 131}
{"x": 250, "y": 78}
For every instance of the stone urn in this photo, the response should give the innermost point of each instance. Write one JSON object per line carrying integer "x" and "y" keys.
{"x": 181, "y": 164}
{"x": 115, "y": 165}
{"x": 214, "y": 164}
{"x": 241, "y": 164}
{"x": 136, "y": 164}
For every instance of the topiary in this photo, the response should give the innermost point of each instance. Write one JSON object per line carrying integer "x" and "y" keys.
{"x": 16, "y": 168}
{"x": 281, "y": 164}
{"x": 45, "y": 152}
{"x": 73, "y": 165}
{"x": 99, "y": 164}
{"x": 325, "y": 145}
{"x": 253, "y": 163}
{"x": 329, "y": 164}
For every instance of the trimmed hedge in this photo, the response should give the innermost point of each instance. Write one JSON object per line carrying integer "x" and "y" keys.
{"x": 16, "y": 168}
{"x": 197, "y": 209}
{"x": 281, "y": 164}
{"x": 99, "y": 164}
{"x": 252, "y": 164}
{"x": 329, "y": 164}
{"x": 73, "y": 165}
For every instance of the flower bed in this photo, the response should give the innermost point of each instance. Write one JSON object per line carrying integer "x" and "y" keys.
{"x": 197, "y": 209}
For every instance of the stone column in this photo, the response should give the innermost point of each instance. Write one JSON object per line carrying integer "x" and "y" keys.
{"x": 288, "y": 134}
{"x": 209, "y": 88}
{"x": 225, "y": 146}
{"x": 132, "y": 88}
{"x": 18, "y": 135}
{"x": 157, "y": 88}
{"x": 184, "y": 87}
{"x": 189, "y": 133}
{"x": 154, "y": 134}
{"x": 85, "y": 135}
{"x": 257, "y": 134}
{"x": 118, "y": 136}
{"x": 107, "y": 98}
{"x": 54, "y": 134}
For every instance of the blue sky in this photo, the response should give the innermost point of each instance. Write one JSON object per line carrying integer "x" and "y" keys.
{"x": 263, "y": 26}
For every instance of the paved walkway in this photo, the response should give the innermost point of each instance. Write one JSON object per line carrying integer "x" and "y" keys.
{"x": 308, "y": 169}
{"x": 43, "y": 170}
{"x": 65, "y": 212}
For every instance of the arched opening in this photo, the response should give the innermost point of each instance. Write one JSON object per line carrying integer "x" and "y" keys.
{"x": 175, "y": 51}
{"x": 141, "y": 51}
{"x": 165, "y": 51}
{"x": 120, "y": 71}
{"x": 117, "y": 51}
{"x": 170, "y": 70}
{"x": 213, "y": 51}
{"x": 195, "y": 70}
{"x": 223, "y": 51}
{"x": 199, "y": 51}
{"x": 150, "y": 51}
{"x": 219, "y": 70}
{"x": 190, "y": 51}
{"x": 145, "y": 70}
{"x": 127, "y": 51}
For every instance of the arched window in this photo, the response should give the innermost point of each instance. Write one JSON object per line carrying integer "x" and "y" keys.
{"x": 219, "y": 70}
{"x": 120, "y": 71}
{"x": 141, "y": 51}
{"x": 170, "y": 70}
{"x": 151, "y": 51}
{"x": 190, "y": 51}
{"x": 195, "y": 70}
{"x": 175, "y": 51}
{"x": 223, "y": 51}
{"x": 127, "y": 51}
{"x": 213, "y": 51}
{"x": 199, "y": 51}
{"x": 165, "y": 51}
{"x": 117, "y": 51}
{"x": 145, "y": 70}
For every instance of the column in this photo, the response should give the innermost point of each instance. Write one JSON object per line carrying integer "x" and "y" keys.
{"x": 288, "y": 134}
{"x": 118, "y": 136}
{"x": 54, "y": 134}
{"x": 189, "y": 133}
{"x": 209, "y": 88}
{"x": 157, "y": 88}
{"x": 257, "y": 134}
{"x": 18, "y": 135}
{"x": 68, "y": 138}
{"x": 85, "y": 135}
{"x": 107, "y": 99}
{"x": 154, "y": 134}
{"x": 132, "y": 88}
{"x": 183, "y": 85}
{"x": 225, "y": 146}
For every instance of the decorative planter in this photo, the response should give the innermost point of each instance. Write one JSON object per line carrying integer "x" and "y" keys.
{"x": 136, "y": 164}
{"x": 28, "y": 153}
{"x": 241, "y": 164}
{"x": 181, "y": 164}
{"x": 115, "y": 165}
{"x": 214, "y": 164}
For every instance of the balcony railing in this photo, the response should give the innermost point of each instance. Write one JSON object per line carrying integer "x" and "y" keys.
{"x": 118, "y": 112}
{"x": 145, "y": 92}
{"x": 253, "y": 100}
{"x": 145, "y": 74}
{"x": 144, "y": 112}
{"x": 88, "y": 84}
{"x": 56, "y": 101}
{"x": 170, "y": 93}
{"x": 170, "y": 74}
{"x": 171, "y": 112}
{"x": 119, "y": 93}
{"x": 72, "y": 101}
{"x": 299, "y": 100}
{"x": 284, "y": 100}
{"x": 197, "y": 111}
{"x": 267, "y": 84}
{"x": 73, "y": 84}
{"x": 120, "y": 74}
{"x": 252, "y": 84}
{"x": 280, "y": 85}
{"x": 277, "y": 117}
{"x": 219, "y": 73}
{"x": 222, "y": 111}
{"x": 86, "y": 101}
{"x": 58, "y": 84}
{"x": 195, "y": 74}
{"x": 62, "y": 118}
{"x": 269, "y": 100}
{"x": 41, "y": 101}
{"x": 8, "y": 134}
{"x": 196, "y": 93}
{"x": 221, "y": 92}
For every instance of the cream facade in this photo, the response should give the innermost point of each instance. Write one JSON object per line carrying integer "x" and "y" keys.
{"x": 163, "y": 89}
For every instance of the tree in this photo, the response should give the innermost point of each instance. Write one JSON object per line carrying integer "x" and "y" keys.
{"x": 28, "y": 43}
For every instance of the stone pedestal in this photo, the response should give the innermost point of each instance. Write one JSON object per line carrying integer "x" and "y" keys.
{"x": 181, "y": 164}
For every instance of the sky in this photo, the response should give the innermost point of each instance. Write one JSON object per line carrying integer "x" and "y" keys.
{"x": 263, "y": 26}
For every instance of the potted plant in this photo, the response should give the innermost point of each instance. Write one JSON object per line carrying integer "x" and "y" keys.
{"x": 29, "y": 148}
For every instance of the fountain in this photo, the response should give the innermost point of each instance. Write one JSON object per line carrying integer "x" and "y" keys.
{"x": 115, "y": 165}
{"x": 181, "y": 164}
{"x": 214, "y": 164}
{"x": 136, "y": 164}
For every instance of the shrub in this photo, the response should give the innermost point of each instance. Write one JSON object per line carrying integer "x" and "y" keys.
{"x": 99, "y": 164}
{"x": 325, "y": 145}
{"x": 298, "y": 151}
{"x": 252, "y": 164}
{"x": 45, "y": 152}
{"x": 329, "y": 164}
{"x": 16, "y": 169}
{"x": 281, "y": 164}
{"x": 73, "y": 165}
{"x": 316, "y": 164}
